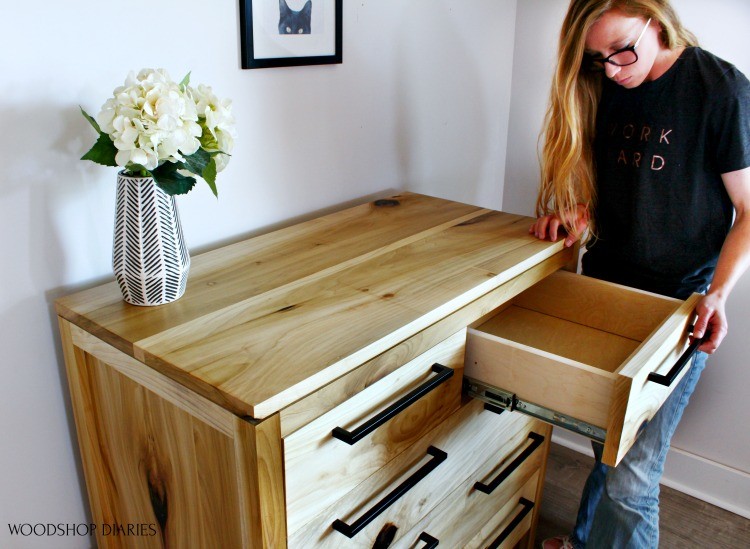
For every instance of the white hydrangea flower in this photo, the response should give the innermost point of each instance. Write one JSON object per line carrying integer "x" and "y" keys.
{"x": 215, "y": 115}
{"x": 150, "y": 120}
{"x": 161, "y": 129}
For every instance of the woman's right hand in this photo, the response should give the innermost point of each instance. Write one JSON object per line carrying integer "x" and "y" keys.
{"x": 551, "y": 227}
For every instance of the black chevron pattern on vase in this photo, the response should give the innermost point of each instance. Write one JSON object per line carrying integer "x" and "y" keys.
{"x": 149, "y": 256}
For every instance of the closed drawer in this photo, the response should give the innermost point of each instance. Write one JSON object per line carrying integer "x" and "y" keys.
{"x": 320, "y": 468}
{"x": 513, "y": 521}
{"x": 394, "y": 499}
{"x": 478, "y": 509}
{"x": 579, "y": 352}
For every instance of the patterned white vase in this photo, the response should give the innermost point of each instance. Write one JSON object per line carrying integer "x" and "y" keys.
{"x": 149, "y": 256}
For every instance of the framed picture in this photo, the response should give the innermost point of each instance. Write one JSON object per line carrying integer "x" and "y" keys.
{"x": 285, "y": 33}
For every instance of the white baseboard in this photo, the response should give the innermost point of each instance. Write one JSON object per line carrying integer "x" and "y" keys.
{"x": 693, "y": 475}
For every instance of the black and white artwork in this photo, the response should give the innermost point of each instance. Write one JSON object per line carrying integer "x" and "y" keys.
{"x": 295, "y": 22}
{"x": 282, "y": 33}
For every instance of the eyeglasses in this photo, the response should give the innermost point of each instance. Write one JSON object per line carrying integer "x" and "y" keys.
{"x": 621, "y": 58}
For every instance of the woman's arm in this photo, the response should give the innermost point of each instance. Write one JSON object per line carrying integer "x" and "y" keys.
{"x": 734, "y": 260}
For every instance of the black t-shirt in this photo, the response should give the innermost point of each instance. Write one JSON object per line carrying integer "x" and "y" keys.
{"x": 662, "y": 209}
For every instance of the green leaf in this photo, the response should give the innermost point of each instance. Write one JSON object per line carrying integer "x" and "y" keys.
{"x": 170, "y": 180}
{"x": 103, "y": 152}
{"x": 185, "y": 81}
{"x": 91, "y": 120}
{"x": 209, "y": 174}
{"x": 197, "y": 162}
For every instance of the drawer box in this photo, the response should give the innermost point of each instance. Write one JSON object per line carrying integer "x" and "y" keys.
{"x": 321, "y": 468}
{"x": 434, "y": 467}
{"x": 578, "y": 352}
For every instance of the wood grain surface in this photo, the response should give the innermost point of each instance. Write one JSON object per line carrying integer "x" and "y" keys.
{"x": 269, "y": 321}
{"x": 320, "y": 469}
{"x": 466, "y": 454}
{"x": 210, "y": 418}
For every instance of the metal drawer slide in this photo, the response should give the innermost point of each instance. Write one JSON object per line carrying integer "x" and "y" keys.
{"x": 509, "y": 401}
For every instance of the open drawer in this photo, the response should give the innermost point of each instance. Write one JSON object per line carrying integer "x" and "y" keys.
{"x": 591, "y": 356}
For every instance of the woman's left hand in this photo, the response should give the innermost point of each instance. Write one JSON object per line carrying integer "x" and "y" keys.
{"x": 711, "y": 323}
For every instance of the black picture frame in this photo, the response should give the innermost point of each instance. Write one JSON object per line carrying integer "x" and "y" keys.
{"x": 262, "y": 46}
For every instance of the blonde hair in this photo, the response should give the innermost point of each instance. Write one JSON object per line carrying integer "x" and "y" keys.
{"x": 567, "y": 161}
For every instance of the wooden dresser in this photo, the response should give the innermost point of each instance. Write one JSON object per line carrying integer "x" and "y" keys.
{"x": 308, "y": 390}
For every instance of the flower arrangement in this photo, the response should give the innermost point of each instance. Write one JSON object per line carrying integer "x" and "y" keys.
{"x": 153, "y": 127}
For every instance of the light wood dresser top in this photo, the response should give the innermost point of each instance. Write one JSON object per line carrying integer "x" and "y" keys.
{"x": 269, "y": 320}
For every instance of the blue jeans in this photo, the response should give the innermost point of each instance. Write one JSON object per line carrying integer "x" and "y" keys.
{"x": 620, "y": 505}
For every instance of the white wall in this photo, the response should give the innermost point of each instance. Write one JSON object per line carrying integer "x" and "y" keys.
{"x": 711, "y": 449}
{"x": 421, "y": 102}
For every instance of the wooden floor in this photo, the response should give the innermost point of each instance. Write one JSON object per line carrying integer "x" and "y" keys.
{"x": 684, "y": 521}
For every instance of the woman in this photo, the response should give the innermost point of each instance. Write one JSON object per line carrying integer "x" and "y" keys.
{"x": 647, "y": 152}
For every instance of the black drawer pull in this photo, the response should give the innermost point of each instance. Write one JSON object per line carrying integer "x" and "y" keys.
{"x": 350, "y": 437}
{"x": 527, "y": 507}
{"x": 430, "y": 542}
{"x": 670, "y": 376}
{"x": 537, "y": 441}
{"x": 438, "y": 457}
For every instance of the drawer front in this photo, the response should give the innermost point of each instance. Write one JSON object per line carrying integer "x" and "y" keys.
{"x": 490, "y": 497}
{"x": 513, "y": 521}
{"x": 320, "y": 468}
{"x": 429, "y": 471}
{"x": 581, "y": 351}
